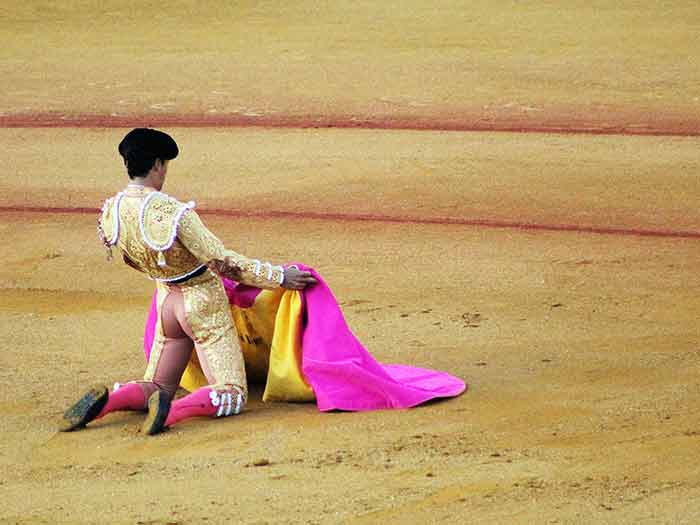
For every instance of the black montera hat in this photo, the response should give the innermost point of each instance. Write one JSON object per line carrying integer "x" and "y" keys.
{"x": 150, "y": 142}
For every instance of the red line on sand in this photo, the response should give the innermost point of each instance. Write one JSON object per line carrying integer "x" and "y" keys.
{"x": 402, "y": 219}
{"x": 622, "y": 124}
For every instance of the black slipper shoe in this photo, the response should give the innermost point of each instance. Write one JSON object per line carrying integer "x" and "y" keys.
{"x": 85, "y": 410}
{"x": 158, "y": 409}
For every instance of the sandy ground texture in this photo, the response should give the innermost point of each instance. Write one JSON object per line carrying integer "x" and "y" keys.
{"x": 581, "y": 350}
{"x": 588, "y": 64}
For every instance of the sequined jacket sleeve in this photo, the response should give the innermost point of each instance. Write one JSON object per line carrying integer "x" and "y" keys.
{"x": 206, "y": 246}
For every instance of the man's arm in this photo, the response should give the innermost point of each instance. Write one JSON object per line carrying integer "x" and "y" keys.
{"x": 209, "y": 249}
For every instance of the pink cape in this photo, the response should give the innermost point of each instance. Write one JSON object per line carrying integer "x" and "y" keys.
{"x": 341, "y": 372}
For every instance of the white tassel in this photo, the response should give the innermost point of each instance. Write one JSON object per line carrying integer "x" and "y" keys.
{"x": 214, "y": 397}
{"x": 225, "y": 403}
{"x": 229, "y": 404}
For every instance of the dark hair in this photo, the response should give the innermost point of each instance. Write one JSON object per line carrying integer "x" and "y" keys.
{"x": 142, "y": 146}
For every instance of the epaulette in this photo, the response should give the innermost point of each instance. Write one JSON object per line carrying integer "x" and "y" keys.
{"x": 159, "y": 218}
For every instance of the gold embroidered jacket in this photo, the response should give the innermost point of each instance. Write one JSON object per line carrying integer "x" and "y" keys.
{"x": 165, "y": 239}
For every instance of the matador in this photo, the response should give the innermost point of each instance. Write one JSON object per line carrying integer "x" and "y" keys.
{"x": 166, "y": 240}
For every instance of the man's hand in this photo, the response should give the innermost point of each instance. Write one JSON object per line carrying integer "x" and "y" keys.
{"x": 295, "y": 279}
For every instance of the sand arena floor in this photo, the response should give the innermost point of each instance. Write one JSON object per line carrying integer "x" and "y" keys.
{"x": 556, "y": 273}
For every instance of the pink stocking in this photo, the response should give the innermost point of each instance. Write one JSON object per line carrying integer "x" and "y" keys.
{"x": 205, "y": 402}
{"x": 130, "y": 396}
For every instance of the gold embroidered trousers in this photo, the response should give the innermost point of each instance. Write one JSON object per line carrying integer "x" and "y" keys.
{"x": 216, "y": 342}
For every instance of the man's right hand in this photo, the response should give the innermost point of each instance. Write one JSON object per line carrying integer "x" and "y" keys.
{"x": 295, "y": 279}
